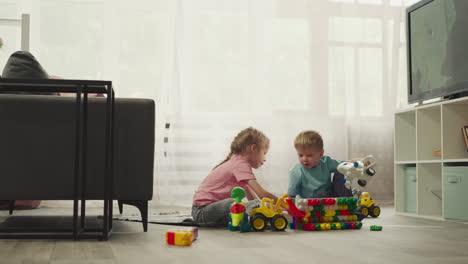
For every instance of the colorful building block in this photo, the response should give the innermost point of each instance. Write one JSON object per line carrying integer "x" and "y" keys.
{"x": 323, "y": 214}
{"x": 181, "y": 236}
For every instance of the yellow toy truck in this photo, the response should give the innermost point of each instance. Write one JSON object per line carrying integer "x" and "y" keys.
{"x": 367, "y": 206}
{"x": 267, "y": 214}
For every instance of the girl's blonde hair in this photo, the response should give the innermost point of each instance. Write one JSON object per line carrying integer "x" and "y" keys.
{"x": 309, "y": 138}
{"x": 244, "y": 139}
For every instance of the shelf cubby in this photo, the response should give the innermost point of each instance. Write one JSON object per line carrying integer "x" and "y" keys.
{"x": 455, "y": 183}
{"x": 429, "y": 133}
{"x": 429, "y": 189}
{"x": 405, "y": 136}
{"x": 405, "y": 185}
{"x": 455, "y": 116}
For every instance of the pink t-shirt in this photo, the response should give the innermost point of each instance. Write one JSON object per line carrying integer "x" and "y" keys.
{"x": 218, "y": 184}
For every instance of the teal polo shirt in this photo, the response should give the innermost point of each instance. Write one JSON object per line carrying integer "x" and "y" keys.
{"x": 307, "y": 182}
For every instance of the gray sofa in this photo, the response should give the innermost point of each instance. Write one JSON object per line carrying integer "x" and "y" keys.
{"x": 37, "y": 143}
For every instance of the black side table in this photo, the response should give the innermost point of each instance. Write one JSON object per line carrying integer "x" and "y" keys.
{"x": 81, "y": 88}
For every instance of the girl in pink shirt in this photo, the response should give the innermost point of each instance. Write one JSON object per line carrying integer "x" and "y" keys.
{"x": 212, "y": 200}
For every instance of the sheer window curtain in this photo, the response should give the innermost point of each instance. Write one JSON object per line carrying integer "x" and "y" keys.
{"x": 215, "y": 67}
{"x": 338, "y": 67}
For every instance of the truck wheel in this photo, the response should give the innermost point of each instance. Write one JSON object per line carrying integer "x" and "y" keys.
{"x": 363, "y": 210}
{"x": 362, "y": 183}
{"x": 258, "y": 222}
{"x": 279, "y": 223}
{"x": 370, "y": 171}
{"x": 374, "y": 211}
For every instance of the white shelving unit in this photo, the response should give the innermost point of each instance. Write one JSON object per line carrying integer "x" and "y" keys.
{"x": 420, "y": 132}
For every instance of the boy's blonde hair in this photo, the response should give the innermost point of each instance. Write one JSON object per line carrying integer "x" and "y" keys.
{"x": 309, "y": 138}
{"x": 246, "y": 138}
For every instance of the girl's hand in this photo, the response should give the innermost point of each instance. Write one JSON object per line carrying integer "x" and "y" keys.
{"x": 258, "y": 189}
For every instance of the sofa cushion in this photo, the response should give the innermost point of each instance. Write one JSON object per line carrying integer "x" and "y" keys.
{"x": 23, "y": 65}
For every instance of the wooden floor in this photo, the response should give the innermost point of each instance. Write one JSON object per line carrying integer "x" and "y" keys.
{"x": 403, "y": 240}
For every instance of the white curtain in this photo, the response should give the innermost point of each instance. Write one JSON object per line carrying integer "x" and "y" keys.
{"x": 215, "y": 67}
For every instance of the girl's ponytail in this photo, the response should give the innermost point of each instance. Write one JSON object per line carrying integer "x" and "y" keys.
{"x": 227, "y": 158}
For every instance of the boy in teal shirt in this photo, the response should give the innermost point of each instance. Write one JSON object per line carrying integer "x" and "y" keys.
{"x": 311, "y": 177}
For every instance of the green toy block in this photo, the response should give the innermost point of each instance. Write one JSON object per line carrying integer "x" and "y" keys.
{"x": 245, "y": 225}
{"x": 233, "y": 228}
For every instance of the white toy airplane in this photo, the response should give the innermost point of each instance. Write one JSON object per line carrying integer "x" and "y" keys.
{"x": 357, "y": 172}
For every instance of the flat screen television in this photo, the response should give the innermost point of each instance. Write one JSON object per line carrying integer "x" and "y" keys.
{"x": 437, "y": 46}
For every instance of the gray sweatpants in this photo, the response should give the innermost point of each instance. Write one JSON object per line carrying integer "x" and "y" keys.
{"x": 216, "y": 214}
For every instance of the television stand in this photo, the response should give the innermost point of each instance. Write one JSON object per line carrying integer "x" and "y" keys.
{"x": 431, "y": 158}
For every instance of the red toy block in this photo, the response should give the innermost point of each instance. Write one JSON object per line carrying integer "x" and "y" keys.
{"x": 293, "y": 209}
{"x": 309, "y": 227}
{"x": 237, "y": 208}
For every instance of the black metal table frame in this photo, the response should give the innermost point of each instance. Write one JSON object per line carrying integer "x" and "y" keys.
{"x": 81, "y": 88}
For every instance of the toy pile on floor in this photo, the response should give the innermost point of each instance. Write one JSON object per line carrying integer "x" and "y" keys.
{"x": 313, "y": 214}
{"x": 323, "y": 214}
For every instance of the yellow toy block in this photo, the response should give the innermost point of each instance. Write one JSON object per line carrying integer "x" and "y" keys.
{"x": 181, "y": 237}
